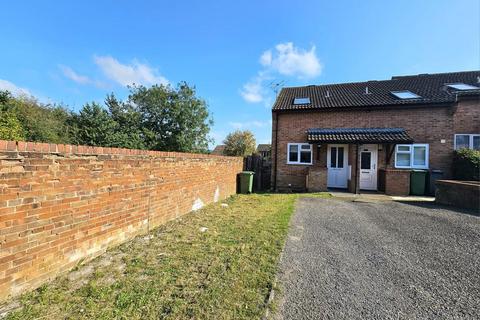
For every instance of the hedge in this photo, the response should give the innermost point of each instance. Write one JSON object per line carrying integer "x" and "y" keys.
{"x": 466, "y": 164}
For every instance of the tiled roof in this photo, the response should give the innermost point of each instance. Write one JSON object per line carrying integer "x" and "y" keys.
{"x": 218, "y": 150}
{"x": 264, "y": 147}
{"x": 360, "y": 135}
{"x": 430, "y": 87}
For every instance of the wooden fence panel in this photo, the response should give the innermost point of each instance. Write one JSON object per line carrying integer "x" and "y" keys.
{"x": 262, "y": 168}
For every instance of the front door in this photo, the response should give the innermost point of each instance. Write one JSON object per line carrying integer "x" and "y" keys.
{"x": 337, "y": 164}
{"x": 368, "y": 167}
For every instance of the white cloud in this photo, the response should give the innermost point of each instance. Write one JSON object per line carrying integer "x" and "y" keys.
{"x": 292, "y": 61}
{"x": 69, "y": 73}
{"x": 14, "y": 89}
{"x": 266, "y": 58}
{"x": 72, "y": 75}
{"x": 128, "y": 74}
{"x": 252, "y": 91}
{"x": 284, "y": 59}
{"x": 250, "y": 124}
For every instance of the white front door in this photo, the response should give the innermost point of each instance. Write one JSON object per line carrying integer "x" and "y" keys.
{"x": 368, "y": 166}
{"x": 337, "y": 164}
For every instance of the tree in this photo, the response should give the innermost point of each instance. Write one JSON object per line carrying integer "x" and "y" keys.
{"x": 94, "y": 126}
{"x": 239, "y": 143}
{"x": 172, "y": 119}
{"x": 38, "y": 121}
{"x": 129, "y": 133}
{"x": 159, "y": 118}
{"x": 10, "y": 127}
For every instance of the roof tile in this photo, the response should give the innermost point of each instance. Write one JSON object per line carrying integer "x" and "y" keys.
{"x": 430, "y": 87}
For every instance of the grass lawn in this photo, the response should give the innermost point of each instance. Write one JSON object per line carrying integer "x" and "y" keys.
{"x": 177, "y": 271}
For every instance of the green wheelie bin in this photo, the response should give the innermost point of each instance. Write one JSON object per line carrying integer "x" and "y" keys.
{"x": 418, "y": 180}
{"x": 246, "y": 181}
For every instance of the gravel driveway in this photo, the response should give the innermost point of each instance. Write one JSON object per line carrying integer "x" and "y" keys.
{"x": 386, "y": 260}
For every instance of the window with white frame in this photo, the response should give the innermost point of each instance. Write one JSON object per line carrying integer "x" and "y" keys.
{"x": 411, "y": 156}
{"x": 299, "y": 153}
{"x": 469, "y": 141}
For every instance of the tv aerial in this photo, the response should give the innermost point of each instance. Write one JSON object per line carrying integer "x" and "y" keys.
{"x": 276, "y": 86}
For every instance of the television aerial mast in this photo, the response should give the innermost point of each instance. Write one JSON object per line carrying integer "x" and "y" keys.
{"x": 276, "y": 86}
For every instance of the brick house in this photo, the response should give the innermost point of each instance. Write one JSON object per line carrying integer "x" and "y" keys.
{"x": 218, "y": 150}
{"x": 264, "y": 150}
{"x": 389, "y": 127}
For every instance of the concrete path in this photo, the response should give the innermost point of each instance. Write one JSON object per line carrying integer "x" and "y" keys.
{"x": 381, "y": 260}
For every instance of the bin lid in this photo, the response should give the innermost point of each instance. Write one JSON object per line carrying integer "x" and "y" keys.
{"x": 247, "y": 172}
{"x": 437, "y": 171}
{"x": 418, "y": 170}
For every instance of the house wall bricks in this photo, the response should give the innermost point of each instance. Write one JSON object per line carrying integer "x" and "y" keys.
{"x": 62, "y": 203}
{"x": 397, "y": 182}
{"x": 317, "y": 179}
{"x": 467, "y": 116}
{"x": 425, "y": 124}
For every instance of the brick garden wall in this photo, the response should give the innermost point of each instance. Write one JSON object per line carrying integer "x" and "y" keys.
{"x": 60, "y": 203}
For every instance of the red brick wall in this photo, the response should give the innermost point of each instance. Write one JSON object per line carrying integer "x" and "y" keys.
{"x": 424, "y": 124}
{"x": 62, "y": 203}
{"x": 317, "y": 179}
{"x": 462, "y": 194}
{"x": 466, "y": 118}
{"x": 397, "y": 182}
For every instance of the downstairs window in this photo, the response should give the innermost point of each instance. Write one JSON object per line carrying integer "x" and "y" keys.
{"x": 469, "y": 141}
{"x": 411, "y": 156}
{"x": 299, "y": 153}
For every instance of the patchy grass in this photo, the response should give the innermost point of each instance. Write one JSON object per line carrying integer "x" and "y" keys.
{"x": 177, "y": 271}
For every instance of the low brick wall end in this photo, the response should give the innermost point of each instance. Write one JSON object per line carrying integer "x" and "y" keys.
{"x": 396, "y": 182}
{"x": 317, "y": 179}
{"x": 462, "y": 194}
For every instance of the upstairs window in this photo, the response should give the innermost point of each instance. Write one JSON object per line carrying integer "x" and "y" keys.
{"x": 411, "y": 156}
{"x": 304, "y": 100}
{"x": 299, "y": 153}
{"x": 405, "y": 94}
{"x": 462, "y": 86}
{"x": 469, "y": 141}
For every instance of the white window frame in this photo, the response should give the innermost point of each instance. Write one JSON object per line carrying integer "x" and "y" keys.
{"x": 411, "y": 152}
{"x": 299, "y": 145}
{"x": 470, "y": 139}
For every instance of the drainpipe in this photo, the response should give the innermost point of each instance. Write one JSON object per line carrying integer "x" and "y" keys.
{"x": 357, "y": 171}
{"x": 276, "y": 152}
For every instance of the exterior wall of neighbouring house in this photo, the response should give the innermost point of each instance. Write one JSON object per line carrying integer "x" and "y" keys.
{"x": 425, "y": 124}
{"x": 466, "y": 118}
{"x": 60, "y": 204}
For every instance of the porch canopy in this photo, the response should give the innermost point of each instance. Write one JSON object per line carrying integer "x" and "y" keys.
{"x": 359, "y": 135}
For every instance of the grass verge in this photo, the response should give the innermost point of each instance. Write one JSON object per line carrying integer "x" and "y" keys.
{"x": 180, "y": 270}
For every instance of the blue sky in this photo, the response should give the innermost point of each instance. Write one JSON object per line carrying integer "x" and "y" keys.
{"x": 76, "y": 52}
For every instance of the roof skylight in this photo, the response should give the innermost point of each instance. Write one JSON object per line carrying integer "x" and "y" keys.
{"x": 301, "y": 100}
{"x": 462, "y": 86}
{"x": 405, "y": 94}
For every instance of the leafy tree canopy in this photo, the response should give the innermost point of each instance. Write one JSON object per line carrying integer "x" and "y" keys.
{"x": 172, "y": 119}
{"x": 240, "y": 143}
{"x": 156, "y": 118}
{"x": 94, "y": 126}
{"x": 160, "y": 117}
{"x": 25, "y": 118}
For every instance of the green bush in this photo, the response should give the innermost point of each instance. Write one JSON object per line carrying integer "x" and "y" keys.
{"x": 466, "y": 164}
